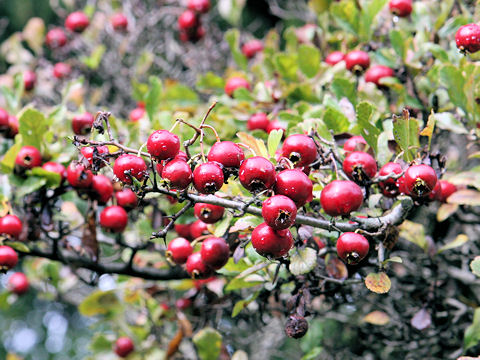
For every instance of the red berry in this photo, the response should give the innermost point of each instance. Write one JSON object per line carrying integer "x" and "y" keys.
{"x": 208, "y": 178}
{"x": 55, "y": 38}
{"x": 334, "y": 58}
{"x": 467, "y": 38}
{"x": 436, "y": 192}
{"x": 196, "y": 267}
{"x": 360, "y": 166}
{"x": 29, "y": 80}
{"x": 127, "y": 166}
{"x": 271, "y": 243}
{"x": 401, "y": 8}
{"x": 78, "y": 176}
{"x": 56, "y": 168}
{"x": 276, "y": 125}
{"x": 114, "y": 218}
{"x": 420, "y": 180}
{"x": 12, "y": 126}
{"x": 10, "y": 225}
{"x": 126, "y": 198}
{"x": 77, "y": 21}
{"x": 355, "y": 143}
{"x": 341, "y": 197}
{"x": 294, "y": 184}
{"x": 183, "y": 230}
{"x": 402, "y": 188}
{"x": 82, "y": 124}
{"x": 447, "y": 189}
{"x": 208, "y": 213}
{"x": 3, "y": 118}
{"x": 102, "y": 188}
{"x": 8, "y": 257}
{"x": 61, "y": 70}
{"x": 178, "y": 250}
{"x": 198, "y": 228}
{"x": 119, "y": 22}
{"x": 28, "y": 157}
{"x": 299, "y": 149}
{"x": 94, "y": 153}
{"x": 378, "y": 72}
{"x": 352, "y": 247}
{"x": 183, "y": 303}
{"x": 201, "y": 6}
{"x": 124, "y": 346}
{"x": 389, "y": 187}
{"x": 187, "y": 20}
{"x": 279, "y": 212}
{"x": 215, "y": 252}
{"x": 235, "y": 83}
{"x": 258, "y": 121}
{"x": 305, "y": 33}
{"x": 251, "y": 48}
{"x": 178, "y": 174}
{"x": 136, "y": 114}
{"x": 18, "y": 283}
{"x": 226, "y": 153}
{"x": 357, "y": 60}
{"x": 257, "y": 174}
{"x": 162, "y": 145}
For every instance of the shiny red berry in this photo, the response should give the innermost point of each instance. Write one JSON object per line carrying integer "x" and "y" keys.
{"x": 162, "y": 145}
{"x": 61, "y": 70}
{"x": 201, "y": 6}
{"x": 183, "y": 303}
{"x": 127, "y": 166}
{"x": 357, "y": 60}
{"x": 196, "y": 267}
{"x": 55, "y": 38}
{"x": 187, "y": 20}
{"x": 12, "y": 126}
{"x": 136, "y": 114}
{"x": 389, "y": 187}
{"x": 279, "y": 212}
{"x": 183, "y": 230}
{"x": 341, "y": 197}
{"x": 401, "y": 8}
{"x": 82, "y": 124}
{"x": 114, "y": 218}
{"x": 56, "y": 168}
{"x": 355, "y": 143}
{"x": 178, "y": 250}
{"x": 299, "y": 149}
{"x": 178, "y": 174}
{"x": 78, "y": 176}
{"x": 235, "y": 83}
{"x": 29, "y": 80}
{"x": 271, "y": 243}
{"x": 352, "y": 247}
{"x": 420, "y": 180}
{"x": 77, "y": 22}
{"x": 8, "y": 257}
{"x": 215, "y": 252}
{"x": 124, "y": 346}
{"x": 10, "y": 225}
{"x": 208, "y": 178}
{"x": 198, "y": 228}
{"x": 435, "y": 194}
{"x": 251, "y": 48}
{"x": 3, "y": 119}
{"x": 334, "y": 58}
{"x": 378, "y": 72}
{"x": 258, "y": 121}
{"x": 226, "y": 153}
{"x": 294, "y": 184}
{"x": 126, "y": 198}
{"x": 447, "y": 189}
{"x": 257, "y": 174}
{"x": 102, "y": 188}
{"x": 28, "y": 157}
{"x": 119, "y": 22}
{"x": 18, "y": 283}
{"x": 97, "y": 153}
{"x": 360, "y": 166}
{"x": 208, "y": 213}
{"x": 276, "y": 125}
{"x": 467, "y": 38}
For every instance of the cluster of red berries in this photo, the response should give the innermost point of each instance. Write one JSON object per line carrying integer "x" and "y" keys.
{"x": 189, "y": 22}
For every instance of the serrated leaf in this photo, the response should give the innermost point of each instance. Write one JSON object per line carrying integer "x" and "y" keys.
{"x": 302, "y": 261}
{"x": 309, "y": 60}
{"x": 273, "y": 141}
{"x": 475, "y": 266}
{"x": 405, "y": 132}
{"x": 232, "y": 36}
{"x": 100, "y": 303}
{"x": 377, "y": 318}
{"x": 460, "y": 240}
{"x": 257, "y": 145}
{"x": 242, "y": 304}
{"x": 378, "y": 283}
{"x": 414, "y": 233}
{"x": 208, "y": 342}
{"x": 222, "y": 226}
{"x": 370, "y": 132}
{"x": 472, "y": 333}
{"x": 336, "y": 121}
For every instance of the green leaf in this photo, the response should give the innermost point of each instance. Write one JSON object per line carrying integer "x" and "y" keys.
{"x": 232, "y": 36}
{"x": 460, "y": 240}
{"x": 395, "y": 259}
{"x": 273, "y": 141}
{"x": 405, "y": 132}
{"x": 369, "y": 12}
{"x": 17, "y": 245}
{"x": 452, "y": 77}
{"x": 154, "y": 96}
{"x": 313, "y": 354}
{"x": 309, "y": 60}
{"x": 242, "y": 304}
{"x": 448, "y": 121}
{"x": 336, "y": 120}
{"x": 180, "y": 94}
{"x": 347, "y": 15}
{"x": 222, "y": 226}
{"x": 31, "y": 184}
{"x": 237, "y": 284}
{"x": 414, "y": 233}
{"x": 302, "y": 261}
{"x": 93, "y": 61}
{"x": 475, "y": 266}
{"x": 286, "y": 65}
{"x": 370, "y": 132}
{"x": 100, "y": 343}
{"x": 398, "y": 43}
{"x": 472, "y": 333}
{"x": 208, "y": 342}
{"x": 100, "y": 303}
{"x": 53, "y": 179}
{"x": 8, "y": 162}
{"x": 210, "y": 81}
{"x": 343, "y": 87}
{"x": 32, "y": 126}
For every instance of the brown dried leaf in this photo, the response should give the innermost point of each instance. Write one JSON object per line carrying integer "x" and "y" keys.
{"x": 336, "y": 268}
{"x": 174, "y": 344}
{"x": 378, "y": 282}
{"x": 421, "y": 320}
{"x": 377, "y": 318}
{"x": 465, "y": 197}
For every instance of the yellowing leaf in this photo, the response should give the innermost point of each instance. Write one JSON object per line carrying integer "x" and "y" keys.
{"x": 465, "y": 197}
{"x": 445, "y": 211}
{"x": 377, "y": 318}
{"x": 459, "y": 241}
{"x": 414, "y": 233}
{"x": 302, "y": 261}
{"x": 378, "y": 282}
{"x": 428, "y": 130}
{"x": 475, "y": 266}
{"x": 258, "y": 146}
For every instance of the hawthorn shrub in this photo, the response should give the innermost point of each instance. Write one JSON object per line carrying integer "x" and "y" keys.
{"x": 312, "y": 194}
